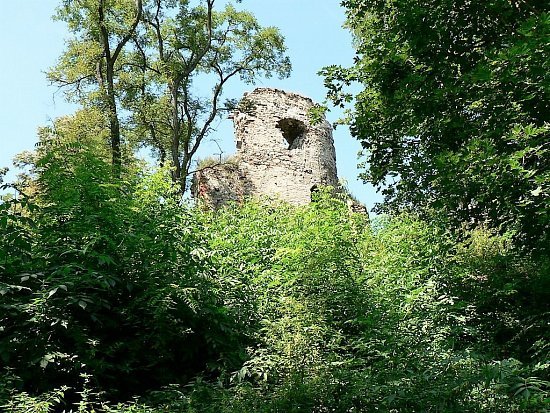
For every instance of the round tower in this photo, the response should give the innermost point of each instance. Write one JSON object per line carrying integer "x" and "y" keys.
{"x": 280, "y": 154}
{"x": 284, "y": 155}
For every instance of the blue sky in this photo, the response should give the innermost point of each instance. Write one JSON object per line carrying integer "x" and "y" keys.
{"x": 31, "y": 42}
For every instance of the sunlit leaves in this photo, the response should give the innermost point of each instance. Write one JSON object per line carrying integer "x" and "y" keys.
{"x": 447, "y": 85}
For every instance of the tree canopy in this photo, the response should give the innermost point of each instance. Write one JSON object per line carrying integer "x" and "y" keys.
{"x": 453, "y": 112}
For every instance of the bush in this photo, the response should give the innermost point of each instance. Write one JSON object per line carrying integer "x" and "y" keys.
{"x": 114, "y": 282}
{"x": 118, "y": 289}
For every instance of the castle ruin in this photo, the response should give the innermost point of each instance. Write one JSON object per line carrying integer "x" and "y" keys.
{"x": 280, "y": 154}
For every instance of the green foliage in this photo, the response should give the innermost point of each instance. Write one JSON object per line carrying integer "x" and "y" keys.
{"x": 117, "y": 296}
{"x": 109, "y": 279}
{"x": 117, "y": 290}
{"x": 452, "y": 115}
{"x": 353, "y": 319}
{"x": 23, "y": 403}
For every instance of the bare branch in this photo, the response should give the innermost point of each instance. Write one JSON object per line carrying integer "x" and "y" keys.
{"x": 139, "y": 7}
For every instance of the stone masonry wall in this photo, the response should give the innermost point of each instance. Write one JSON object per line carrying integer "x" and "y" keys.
{"x": 280, "y": 154}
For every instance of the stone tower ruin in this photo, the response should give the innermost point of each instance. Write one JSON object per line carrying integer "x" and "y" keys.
{"x": 280, "y": 154}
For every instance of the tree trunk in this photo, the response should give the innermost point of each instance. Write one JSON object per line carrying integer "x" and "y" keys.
{"x": 114, "y": 123}
{"x": 176, "y": 128}
{"x": 111, "y": 56}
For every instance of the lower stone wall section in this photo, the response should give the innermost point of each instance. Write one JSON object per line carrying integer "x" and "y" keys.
{"x": 218, "y": 185}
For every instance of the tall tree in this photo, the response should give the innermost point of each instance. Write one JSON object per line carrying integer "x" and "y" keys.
{"x": 453, "y": 112}
{"x": 181, "y": 46}
{"x": 102, "y": 29}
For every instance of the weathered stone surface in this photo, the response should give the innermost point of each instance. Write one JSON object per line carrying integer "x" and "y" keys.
{"x": 280, "y": 154}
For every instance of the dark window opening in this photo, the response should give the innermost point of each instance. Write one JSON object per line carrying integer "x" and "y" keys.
{"x": 293, "y": 131}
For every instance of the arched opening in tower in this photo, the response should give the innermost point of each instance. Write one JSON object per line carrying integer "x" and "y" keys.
{"x": 293, "y": 131}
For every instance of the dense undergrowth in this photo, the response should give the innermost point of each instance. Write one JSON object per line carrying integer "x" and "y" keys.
{"x": 115, "y": 296}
